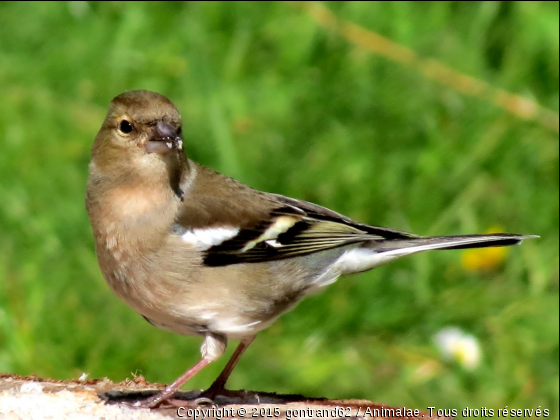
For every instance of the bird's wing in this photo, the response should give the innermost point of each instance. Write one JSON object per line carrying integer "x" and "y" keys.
{"x": 284, "y": 228}
{"x": 232, "y": 223}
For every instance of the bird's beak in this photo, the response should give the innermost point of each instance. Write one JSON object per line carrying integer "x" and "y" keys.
{"x": 163, "y": 139}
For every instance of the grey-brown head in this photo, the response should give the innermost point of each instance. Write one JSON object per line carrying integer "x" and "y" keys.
{"x": 140, "y": 138}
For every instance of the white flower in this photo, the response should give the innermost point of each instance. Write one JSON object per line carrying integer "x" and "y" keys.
{"x": 460, "y": 346}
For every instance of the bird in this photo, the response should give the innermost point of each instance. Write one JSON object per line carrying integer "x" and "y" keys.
{"x": 198, "y": 253}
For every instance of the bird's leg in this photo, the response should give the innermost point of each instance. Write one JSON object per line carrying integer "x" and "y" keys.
{"x": 212, "y": 348}
{"x": 219, "y": 384}
{"x": 168, "y": 392}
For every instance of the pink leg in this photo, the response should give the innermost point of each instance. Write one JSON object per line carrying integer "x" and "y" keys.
{"x": 171, "y": 389}
{"x": 212, "y": 348}
{"x": 220, "y": 382}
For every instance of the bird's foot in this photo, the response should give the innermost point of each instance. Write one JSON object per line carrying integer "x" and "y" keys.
{"x": 212, "y": 396}
{"x": 152, "y": 402}
{"x": 158, "y": 400}
{"x": 186, "y": 404}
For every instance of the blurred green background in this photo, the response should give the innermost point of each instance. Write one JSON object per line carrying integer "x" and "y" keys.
{"x": 285, "y": 104}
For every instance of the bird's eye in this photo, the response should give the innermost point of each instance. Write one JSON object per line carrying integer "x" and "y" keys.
{"x": 125, "y": 127}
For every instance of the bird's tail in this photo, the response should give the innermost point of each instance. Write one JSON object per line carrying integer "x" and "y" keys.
{"x": 375, "y": 252}
{"x": 402, "y": 247}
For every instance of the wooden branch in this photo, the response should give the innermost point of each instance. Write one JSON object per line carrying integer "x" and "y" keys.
{"x": 32, "y": 397}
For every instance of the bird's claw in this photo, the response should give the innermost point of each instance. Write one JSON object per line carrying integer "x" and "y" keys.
{"x": 204, "y": 400}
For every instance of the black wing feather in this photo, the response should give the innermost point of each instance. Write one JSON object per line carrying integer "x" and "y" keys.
{"x": 315, "y": 229}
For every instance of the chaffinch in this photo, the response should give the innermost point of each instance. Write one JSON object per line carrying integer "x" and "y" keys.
{"x": 198, "y": 253}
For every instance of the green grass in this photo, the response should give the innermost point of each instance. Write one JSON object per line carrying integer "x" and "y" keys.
{"x": 275, "y": 100}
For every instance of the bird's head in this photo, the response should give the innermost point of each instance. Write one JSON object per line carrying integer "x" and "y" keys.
{"x": 140, "y": 137}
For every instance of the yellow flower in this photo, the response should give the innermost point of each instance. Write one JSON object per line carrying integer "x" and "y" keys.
{"x": 484, "y": 259}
